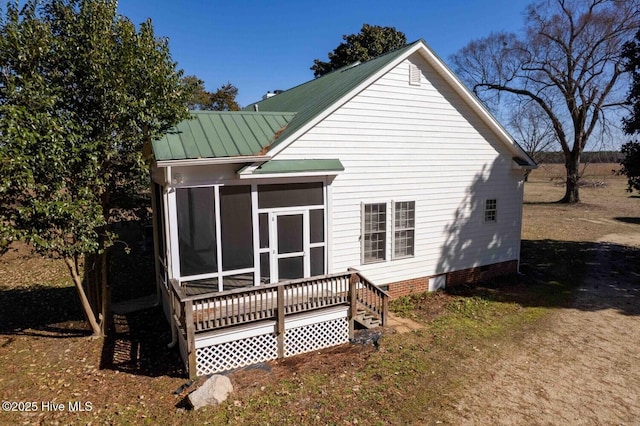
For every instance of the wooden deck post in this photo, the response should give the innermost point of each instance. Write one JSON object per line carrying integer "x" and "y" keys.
{"x": 385, "y": 312}
{"x": 353, "y": 308}
{"x": 191, "y": 340}
{"x": 280, "y": 321}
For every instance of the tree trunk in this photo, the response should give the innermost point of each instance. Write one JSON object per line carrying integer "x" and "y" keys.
{"x": 105, "y": 308}
{"x": 91, "y": 280}
{"x": 572, "y": 163}
{"x": 86, "y": 306}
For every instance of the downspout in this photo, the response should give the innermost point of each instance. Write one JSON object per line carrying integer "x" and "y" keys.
{"x": 174, "y": 331}
{"x": 174, "y": 335}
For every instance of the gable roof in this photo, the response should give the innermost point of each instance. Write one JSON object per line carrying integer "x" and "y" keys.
{"x": 300, "y": 108}
{"x": 312, "y": 98}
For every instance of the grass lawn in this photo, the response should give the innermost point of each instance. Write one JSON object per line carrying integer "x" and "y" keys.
{"x": 47, "y": 359}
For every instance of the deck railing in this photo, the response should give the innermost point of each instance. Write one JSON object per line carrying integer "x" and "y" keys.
{"x": 211, "y": 311}
{"x": 372, "y": 298}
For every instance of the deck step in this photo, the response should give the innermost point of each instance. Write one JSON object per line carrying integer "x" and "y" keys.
{"x": 367, "y": 319}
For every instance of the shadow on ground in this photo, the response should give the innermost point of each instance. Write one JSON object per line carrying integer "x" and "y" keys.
{"x": 137, "y": 344}
{"x": 564, "y": 274}
{"x": 42, "y": 311}
{"x": 631, "y": 220}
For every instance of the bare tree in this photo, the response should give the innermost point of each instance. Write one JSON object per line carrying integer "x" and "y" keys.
{"x": 529, "y": 125}
{"x": 568, "y": 61}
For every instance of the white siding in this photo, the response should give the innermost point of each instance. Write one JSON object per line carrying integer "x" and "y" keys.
{"x": 402, "y": 142}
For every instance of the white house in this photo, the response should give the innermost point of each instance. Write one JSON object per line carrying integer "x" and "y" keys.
{"x": 388, "y": 169}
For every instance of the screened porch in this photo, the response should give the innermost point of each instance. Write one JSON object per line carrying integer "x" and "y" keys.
{"x": 227, "y": 237}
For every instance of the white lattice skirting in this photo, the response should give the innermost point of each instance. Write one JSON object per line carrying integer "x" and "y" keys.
{"x": 247, "y": 346}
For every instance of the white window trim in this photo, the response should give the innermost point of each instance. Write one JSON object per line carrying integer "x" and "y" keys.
{"x": 393, "y": 229}
{"x": 485, "y": 211}
{"x": 362, "y": 233}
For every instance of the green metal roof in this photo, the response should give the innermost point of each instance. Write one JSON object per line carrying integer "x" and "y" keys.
{"x": 296, "y": 166}
{"x": 313, "y": 97}
{"x": 213, "y": 134}
{"x": 248, "y": 133}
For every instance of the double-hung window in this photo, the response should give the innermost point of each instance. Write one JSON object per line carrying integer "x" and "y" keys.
{"x": 404, "y": 229}
{"x": 374, "y": 232}
{"x": 491, "y": 210}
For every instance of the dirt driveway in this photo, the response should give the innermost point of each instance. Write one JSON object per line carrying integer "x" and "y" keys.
{"x": 582, "y": 367}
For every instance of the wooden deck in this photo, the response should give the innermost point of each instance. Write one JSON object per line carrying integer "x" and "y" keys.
{"x": 195, "y": 311}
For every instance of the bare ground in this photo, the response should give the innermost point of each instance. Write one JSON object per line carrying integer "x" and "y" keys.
{"x": 581, "y": 367}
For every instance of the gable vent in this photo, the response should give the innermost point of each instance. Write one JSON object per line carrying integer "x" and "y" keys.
{"x": 414, "y": 75}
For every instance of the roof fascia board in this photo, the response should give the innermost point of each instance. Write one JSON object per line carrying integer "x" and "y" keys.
{"x": 213, "y": 161}
{"x": 344, "y": 99}
{"x": 288, "y": 175}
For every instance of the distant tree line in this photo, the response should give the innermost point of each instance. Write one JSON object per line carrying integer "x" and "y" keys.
{"x": 557, "y": 157}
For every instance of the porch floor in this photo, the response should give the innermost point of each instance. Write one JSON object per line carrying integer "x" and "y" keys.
{"x": 210, "y": 285}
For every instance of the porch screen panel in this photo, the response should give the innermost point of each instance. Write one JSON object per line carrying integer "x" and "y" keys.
{"x": 316, "y": 226}
{"x": 290, "y": 195}
{"x": 236, "y": 227}
{"x": 263, "y": 225}
{"x": 290, "y": 268}
{"x": 265, "y": 273}
{"x": 290, "y": 230}
{"x": 196, "y": 230}
{"x": 317, "y": 261}
{"x": 233, "y": 282}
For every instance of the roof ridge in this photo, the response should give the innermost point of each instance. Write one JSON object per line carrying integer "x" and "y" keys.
{"x": 242, "y": 111}
{"x": 337, "y": 70}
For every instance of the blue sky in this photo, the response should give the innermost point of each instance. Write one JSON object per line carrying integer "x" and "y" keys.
{"x": 266, "y": 45}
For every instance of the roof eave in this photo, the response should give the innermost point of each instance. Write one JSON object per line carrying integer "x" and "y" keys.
{"x": 212, "y": 161}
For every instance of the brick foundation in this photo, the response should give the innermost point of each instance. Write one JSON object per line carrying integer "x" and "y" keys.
{"x": 463, "y": 276}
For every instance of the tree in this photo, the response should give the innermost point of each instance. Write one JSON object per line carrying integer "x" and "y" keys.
{"x": 371, "y": 41}
{"x": 532, "y": 131}
{"x": 631, "y": 150}
{"x": 199, "y": 96}
{"x": 223, "y": 99}
{"x": 81, "y": 92}
{"x": 568, "y": 62}
{"x": 631, "y": 165}
{"x": 631, "y": 53}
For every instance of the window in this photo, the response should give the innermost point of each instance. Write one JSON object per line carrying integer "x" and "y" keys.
{"x": 374, "y": 232}
{"x": 404, "y": 229}
{"x": 491, "y": 210}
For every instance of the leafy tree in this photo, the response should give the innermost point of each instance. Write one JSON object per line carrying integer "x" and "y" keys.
{"x": 631, "y": 150}
{"x": 223, "y": 99}
{"x": 568, "y": 61}
{"x": 199, "y": 96}
{"x": 631, "y": 53}
{"x": 371, "y": 41}
{"x": 81, "y": 92}
{"x": 631, "y": 165}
